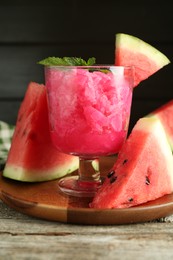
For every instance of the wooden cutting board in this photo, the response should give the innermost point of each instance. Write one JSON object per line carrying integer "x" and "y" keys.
{"x": 44, "y": 200}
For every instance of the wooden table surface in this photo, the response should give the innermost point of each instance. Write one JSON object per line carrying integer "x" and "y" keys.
{"x": 24, "y": 237}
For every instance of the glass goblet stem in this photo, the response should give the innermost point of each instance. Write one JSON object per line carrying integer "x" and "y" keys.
{"x": 89, "y": 174}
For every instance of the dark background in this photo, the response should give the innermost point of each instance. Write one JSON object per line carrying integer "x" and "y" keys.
{"x": 32, "y": 30}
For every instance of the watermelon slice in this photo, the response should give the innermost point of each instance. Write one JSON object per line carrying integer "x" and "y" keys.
{"x": 165, "y": 114}
{"x": 32, "y": 157}
{"x": 143, "y": 170}
{"x": 132, "y": 51}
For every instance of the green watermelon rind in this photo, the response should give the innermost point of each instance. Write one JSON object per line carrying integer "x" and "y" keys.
{"x": 169, "y": 138}
{"x": 153, "y": 129}
{"x": 25, "y": 175}
{"x": 139, "y": 46}
{"x": 35, "y": 159}
{"x": 153, "y": 124}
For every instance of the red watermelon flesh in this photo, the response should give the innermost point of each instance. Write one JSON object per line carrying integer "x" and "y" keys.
{"x": 32, "y": 156}
{"x": 165, "y": 114}
{"x": 132, "y": 51}
{"x": 143, "y": 170}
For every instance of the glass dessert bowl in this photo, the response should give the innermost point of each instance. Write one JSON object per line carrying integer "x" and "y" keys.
{"x": 89, "y": 112}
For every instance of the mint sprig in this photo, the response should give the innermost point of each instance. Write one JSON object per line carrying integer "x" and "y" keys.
{"x": 67, "y": 61}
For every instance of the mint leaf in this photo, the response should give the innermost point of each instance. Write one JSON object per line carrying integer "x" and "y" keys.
{"x": 91, "y": 61}
{"x": 67, "y": 61}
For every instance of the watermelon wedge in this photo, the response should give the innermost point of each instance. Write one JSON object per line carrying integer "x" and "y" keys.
{"x": 165, "y": 114}
{"x": 32, "y": 157}
{"x": 132, "y": 51}
{"x": 143, "y": 170}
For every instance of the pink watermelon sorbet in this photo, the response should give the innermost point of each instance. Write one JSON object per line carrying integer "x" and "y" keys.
{"x": 89, "y": 110}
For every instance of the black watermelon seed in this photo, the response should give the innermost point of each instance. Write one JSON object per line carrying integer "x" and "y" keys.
{"x": 24, "y": 132}
{"x": 110, "y": 173}
{"x": 113, "y": 179}
{"x": 130, "y": 200}
{"x": 147, "y": 180}
{"x": 125, "y": 161}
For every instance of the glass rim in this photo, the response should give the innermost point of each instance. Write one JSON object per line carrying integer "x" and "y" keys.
{"x": 90, "y": 66}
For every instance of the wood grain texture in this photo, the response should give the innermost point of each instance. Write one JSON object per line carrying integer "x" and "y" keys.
{"x": 80, "y": 21}
{"x": 45, "y": 201}
{"x": 32, "y": 30}
{"x": 23, "y": 237}
{"x": 18, "y": 66}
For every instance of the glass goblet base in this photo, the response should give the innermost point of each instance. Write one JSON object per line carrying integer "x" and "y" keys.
{"x": 74, "y": 187}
